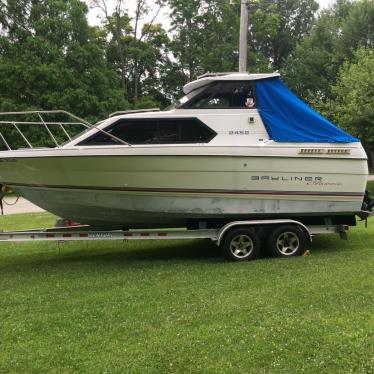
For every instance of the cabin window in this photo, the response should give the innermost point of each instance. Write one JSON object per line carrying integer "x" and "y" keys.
{"x": 154, "y": 131}
{"x": 223, "y": 95}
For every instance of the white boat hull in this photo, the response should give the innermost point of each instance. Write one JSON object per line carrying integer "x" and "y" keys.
{"x": 122, "y": 209}
{"x": 167, "y": 191}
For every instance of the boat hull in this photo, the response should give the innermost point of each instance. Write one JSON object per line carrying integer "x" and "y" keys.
{"x": 167, "y": 191}
{"x": 133, "y": 210}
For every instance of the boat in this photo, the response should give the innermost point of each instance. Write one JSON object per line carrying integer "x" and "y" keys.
{"x": 236, "y": 146}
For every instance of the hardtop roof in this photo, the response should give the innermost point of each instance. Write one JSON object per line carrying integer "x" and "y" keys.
{"x": 213, "y": 77}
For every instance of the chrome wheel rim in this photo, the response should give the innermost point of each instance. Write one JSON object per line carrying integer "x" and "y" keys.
{"x": 241, "y": 246}
{"x": 288, "y": 243}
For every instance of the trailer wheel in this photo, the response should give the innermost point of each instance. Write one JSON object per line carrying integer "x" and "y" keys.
{"x": 240, "y": 244}
{"x": 287, "y": 241}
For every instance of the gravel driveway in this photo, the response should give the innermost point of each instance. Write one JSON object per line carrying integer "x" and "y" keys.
{"x": 22, "y": 206}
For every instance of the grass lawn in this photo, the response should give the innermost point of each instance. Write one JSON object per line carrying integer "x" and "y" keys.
{"x": 177, "y": 307}
{"x": 370, "y": 188}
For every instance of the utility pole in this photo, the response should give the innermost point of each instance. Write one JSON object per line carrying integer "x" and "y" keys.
{"x": 243, "y": 39}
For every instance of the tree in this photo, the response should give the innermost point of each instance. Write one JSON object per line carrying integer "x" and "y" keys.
{"x": 117, "y": 24}
{"x": 50, "y": 58}
{"x": 353, "y": 106}
{"x": 314, "y": 63}
{"x": 358, "y": 27}
{"x": 312, "y": 68}
{"x": 277, "y": 26}
{"x": 187, "y": 26}
{"x": 136, "y": 51}
{"x": 206, "y": 33}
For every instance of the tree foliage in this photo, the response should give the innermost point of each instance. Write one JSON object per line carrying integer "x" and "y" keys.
{"x": 352, "y": 106}
{"x": 206, "y": 33}
{"x": 313, "y": 66}
{"x": 138, "y": 51}
{"x": 50, "y": 58}
{"x": 276, "y": 27}
{"x": 205, "y": 37}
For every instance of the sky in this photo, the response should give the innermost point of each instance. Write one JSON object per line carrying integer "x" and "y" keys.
{"x": 94, "y": 14}
{"x": 163, "y": 16}
{"x": 324, "y": 3}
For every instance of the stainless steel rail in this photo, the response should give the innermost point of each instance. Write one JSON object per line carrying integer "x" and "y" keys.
{"x": 120, "y": 112}
{"x": 41, "y": 120}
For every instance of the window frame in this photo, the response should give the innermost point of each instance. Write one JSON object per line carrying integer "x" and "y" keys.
{"x": 213, "y": 133}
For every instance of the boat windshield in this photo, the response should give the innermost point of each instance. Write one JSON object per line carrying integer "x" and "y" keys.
{"x": 177, "y": 103}
{"x": 76, "y": 136}
{"x": 219, "y": 95}
{"x": 223, "y": 95}
{"x": 183, "y": 100}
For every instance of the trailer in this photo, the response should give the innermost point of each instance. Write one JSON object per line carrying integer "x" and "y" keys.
{"x": 238, "y": 240}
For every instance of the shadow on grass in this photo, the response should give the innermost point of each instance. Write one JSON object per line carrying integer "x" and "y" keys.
{"x": 31, "y": 257}
{"x": 176, "y": 251}
{"x": 119, "y": 255}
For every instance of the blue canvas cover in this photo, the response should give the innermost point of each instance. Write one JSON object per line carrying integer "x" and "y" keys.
{"x": 289, "y": 119}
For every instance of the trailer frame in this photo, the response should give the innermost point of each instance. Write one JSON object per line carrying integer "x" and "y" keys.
{"x": 85, "y": 232}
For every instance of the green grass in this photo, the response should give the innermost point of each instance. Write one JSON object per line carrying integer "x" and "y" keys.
{"x": 370, "y": 188}
{"x": 177, "y": 307}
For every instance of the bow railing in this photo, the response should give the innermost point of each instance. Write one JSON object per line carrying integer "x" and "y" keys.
{"x": 43, "y": 128}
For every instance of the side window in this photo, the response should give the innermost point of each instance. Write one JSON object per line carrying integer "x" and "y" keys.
{"x": 161, "y": 131}
{"x": 223, "y": 95}
{"x": 136, "y": 132}
{"x": 168, "y": 132}
{"x": 133, "y": 132}
{"x": 195, "y": 132}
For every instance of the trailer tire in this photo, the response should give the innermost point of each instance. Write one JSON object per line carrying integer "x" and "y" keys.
{"x": 287, "y": 241}
{"x": 240, "y": 244}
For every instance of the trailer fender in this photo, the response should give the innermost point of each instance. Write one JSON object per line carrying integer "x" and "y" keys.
{"x": 251, "y": 223}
